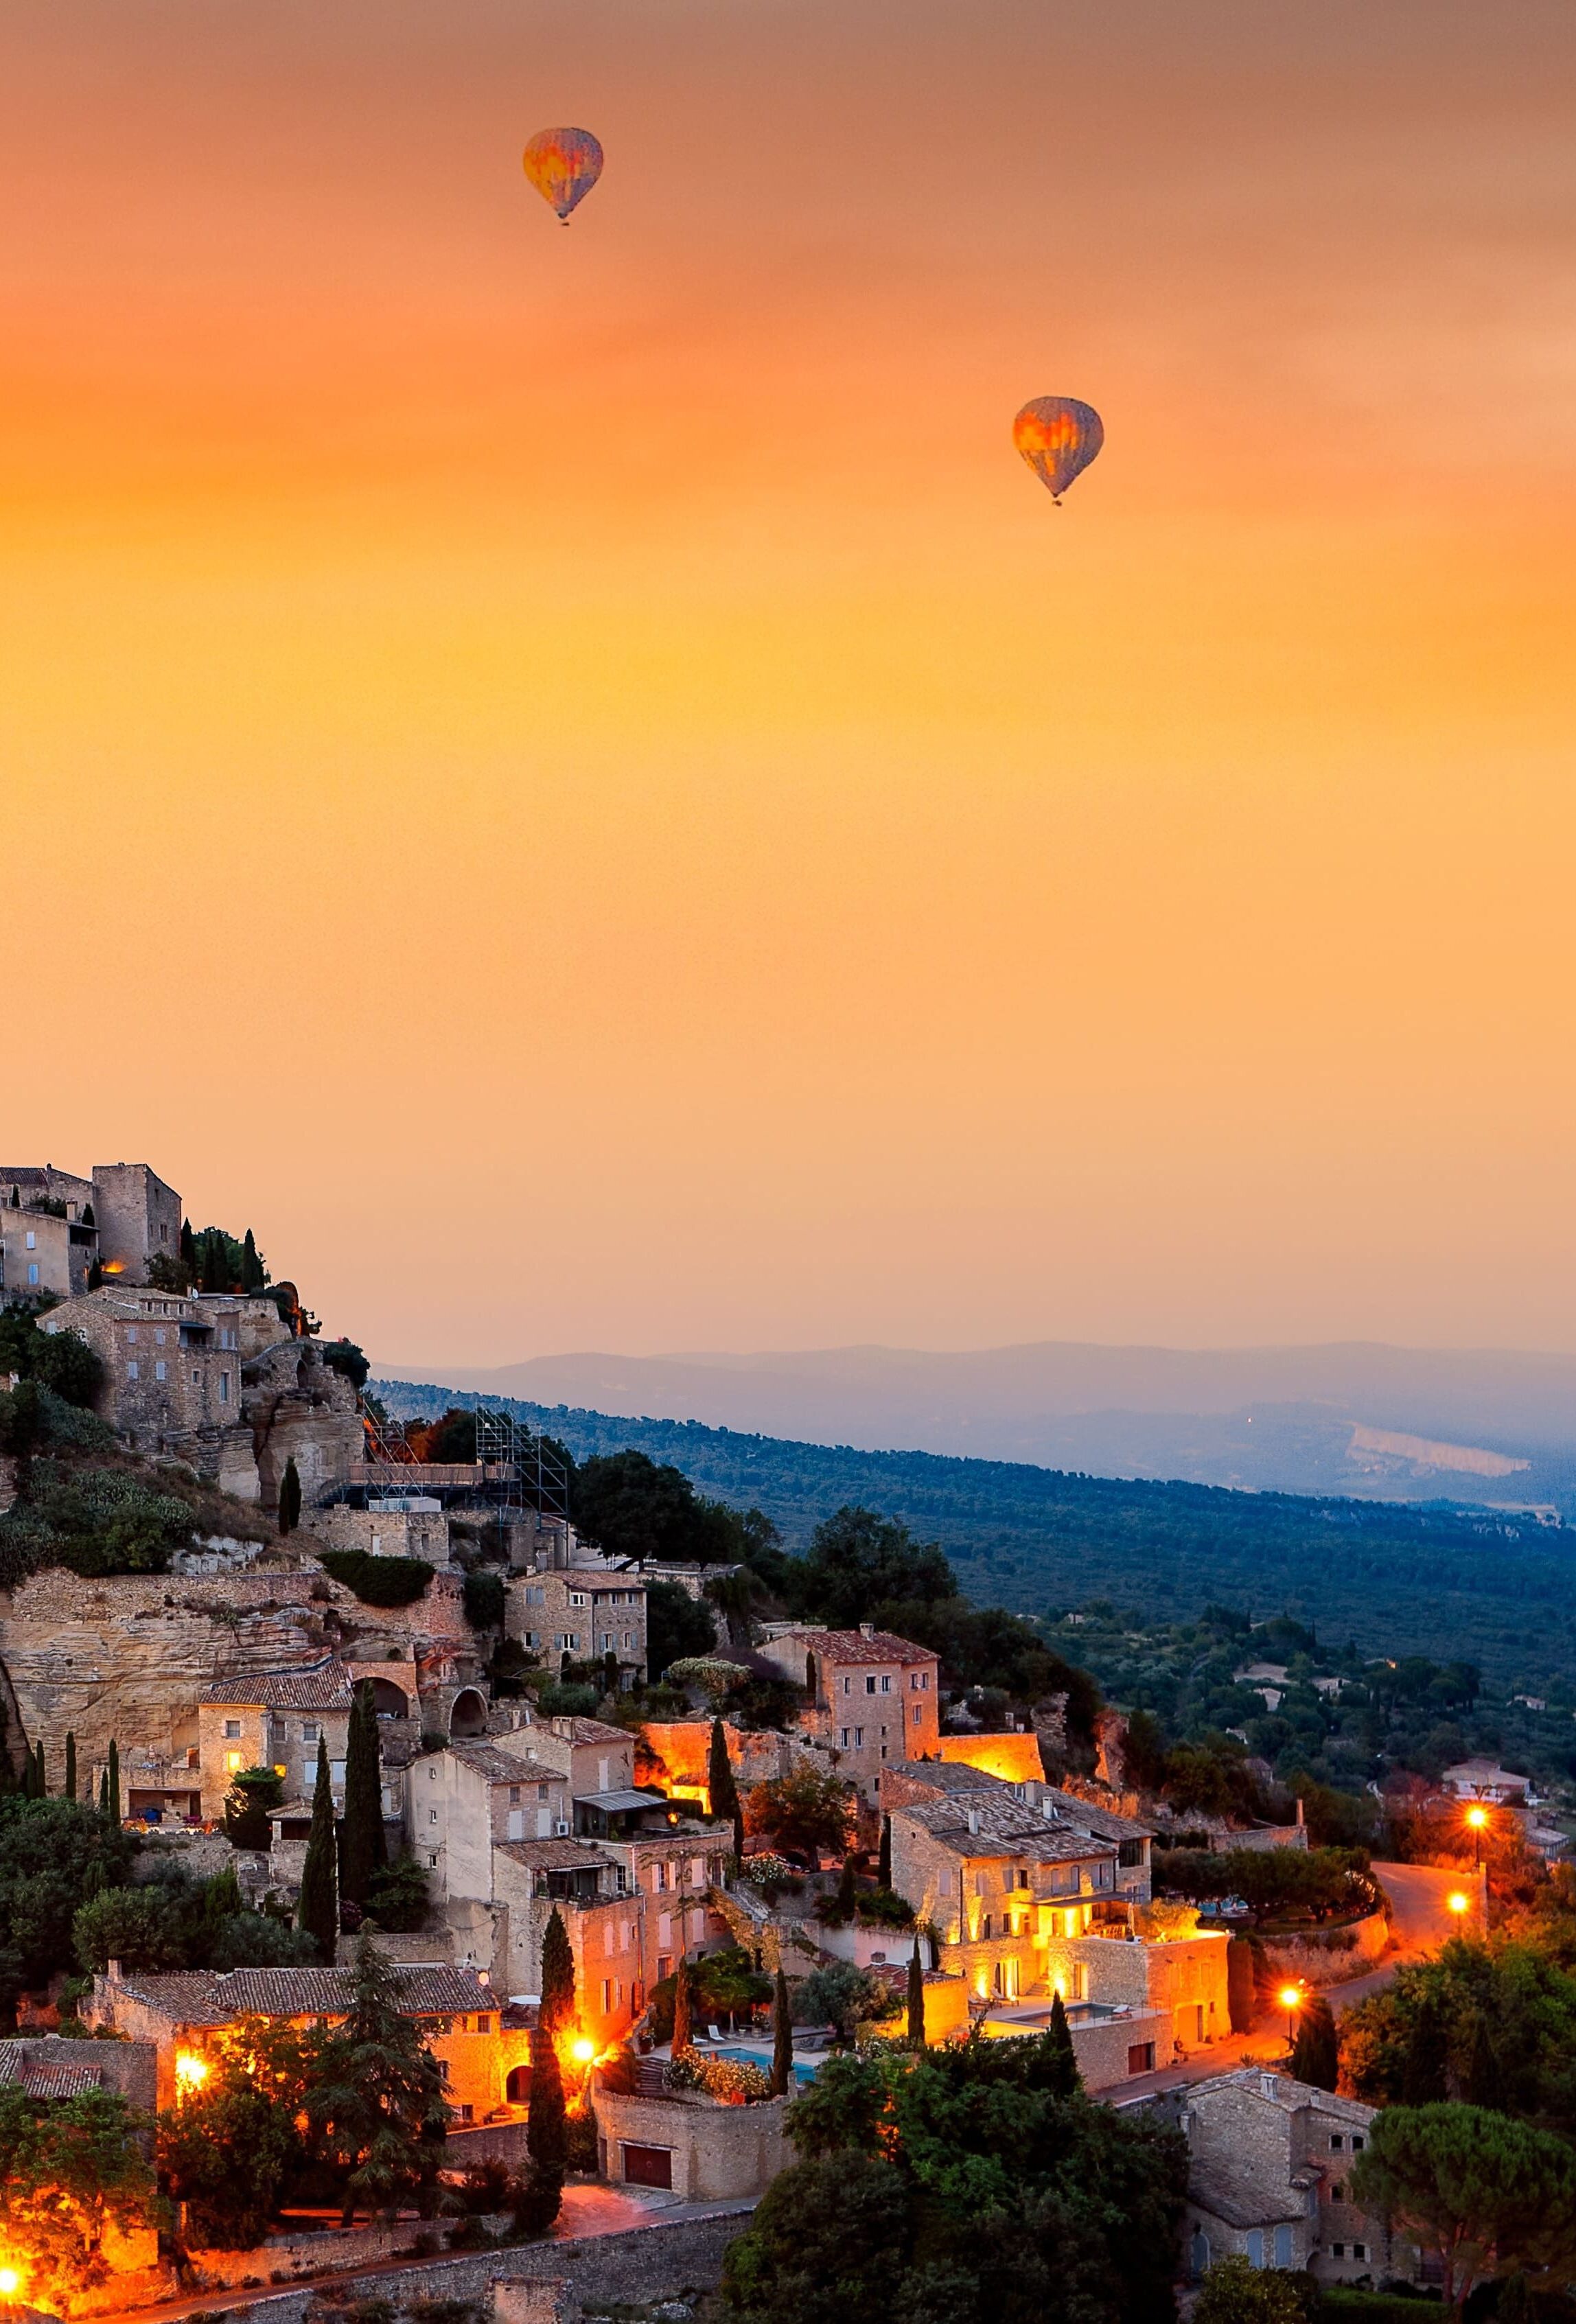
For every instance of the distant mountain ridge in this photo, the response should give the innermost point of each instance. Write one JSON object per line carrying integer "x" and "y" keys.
{"x": 1492, "y": 1425}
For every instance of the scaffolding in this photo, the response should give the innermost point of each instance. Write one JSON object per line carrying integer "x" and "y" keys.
{"x": 526, "y": 1465}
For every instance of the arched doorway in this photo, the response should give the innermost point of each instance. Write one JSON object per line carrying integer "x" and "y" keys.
{"x": 389, "y": 1700}
{"x": 469, "y": 1715}
{"x": 517, "y": 2088}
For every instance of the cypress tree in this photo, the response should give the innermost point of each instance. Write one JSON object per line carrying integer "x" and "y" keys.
{"x": 42, "y": 1782}
{"x": 253, "y": 1277}
{"x": 915, "y": 1999}
{"x": 29, "y": 1775}
{"x": 103, "y": 1793}
{"x": 546, "y": 2137}
{"x": 290, "y": 1497}
{"x": 70, "y": 1766}
{"x": 1423, "y": 2077}
{"x": 724, "y": 1790}
{"x": 884, "y": 1861}
{"x": 1068, "y": 2081}
{"x": 318, "y": 1906}
{"x": 556, "y": 2014}
{"x": 1315, "y": 2053}
{"x": 683, "y": 2031}
{"x": 365, "y": 1850}
{"x": 1483, "y": 2084}
{"x": 782, "y": 2039}
{"x": 112, "y": 1777}
{"x": 189, "y": 1248}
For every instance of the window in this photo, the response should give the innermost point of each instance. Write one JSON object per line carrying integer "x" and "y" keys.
{"x": 32, "y": 1271}
{"x": 1256, "y": 2247}
{"x": 858, "y": 1738}
{"x": 544, "y": 1790}
{"x": 1359, "y": 2251}
{"x": 432, "y": 1860}
{"x": 1336, "y": 2141}
{"x": 160, "y": 1372}
{"x": 1283, "y": 2248}
{"x": 515, "y": 1795}
{"x": 576, "y": 1597}
{"x": 483, "y": 2025}
{"x": 31, "y": 1239}
{"x": 985, "y": 1929}
{"x": 607, "y": 1996}
{"x": 232, "y": 1762}
{"x": 309, "y": 1730}
{"x": 886, "y": 1682}
{"x": 1338, "y": 2251}
{"x": 132, "y": 1335}
{"x": 943, "y": 1885}
{"x": 132, "y": 1371}
{"x": 1338, "y": 2190}
{"x": 224, "y": 1387}
{"x": 918, "y": 1716}
{"x": 1358, "y": 2142}
{"x": 843, "y": 1739}
{"x": 1130, "y": 1852}
{"x": 159, "y": 1336}
{"x": 629, "y": 1641}
{"x": 848, "y": 1686}
{"x": 232, "y": 1727}
{"x": 870, "y": 1685}
{"x": 465, "y": 2113}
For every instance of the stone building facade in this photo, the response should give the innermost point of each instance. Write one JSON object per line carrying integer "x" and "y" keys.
{"x": 581, "y": 1613}
{"x": 274, "y": 1719}
{"x": 704, "y": 2152}
{"x": 876, "y": 1697}
{"x": 58, "y": 1231}
{"x": 1268, "y": 2161}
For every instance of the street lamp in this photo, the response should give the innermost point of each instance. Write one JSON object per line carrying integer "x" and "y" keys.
{"x": 1291, "y": 2001}
{"x": 1458, "y": 1902}
{"x": 1478, "y": 1819}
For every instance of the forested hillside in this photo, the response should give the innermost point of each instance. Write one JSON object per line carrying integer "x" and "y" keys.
{"x": 1437, "y": 1580}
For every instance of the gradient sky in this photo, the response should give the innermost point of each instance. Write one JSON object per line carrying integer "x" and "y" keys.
{"x": 572, "y": 780}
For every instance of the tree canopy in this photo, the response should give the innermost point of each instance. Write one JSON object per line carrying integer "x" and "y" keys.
{"x": 1485, "y": 2195}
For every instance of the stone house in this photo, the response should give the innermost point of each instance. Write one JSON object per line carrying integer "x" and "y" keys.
{"x": 274, "y": 1718}
{"x": 51, "y": 2071}
{"x": 464, "y": 1800}
{"x": 179, "y": 2015}
{"x": 876, "y": 1698}
{"x": 581, "y": 1613}
{"x": 703, "y": 2151}
{"x": 413, "y": 1526}
{"x": 1268, "y": 2159}
{"x": 58, "y": 1231}
{"x": 998, "y": 1883}
{"x": 219, "y": 1380}
{"x": 963, "y": 1778}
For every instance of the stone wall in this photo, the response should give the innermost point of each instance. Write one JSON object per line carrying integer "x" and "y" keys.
{"x": 1328, "y": 1957}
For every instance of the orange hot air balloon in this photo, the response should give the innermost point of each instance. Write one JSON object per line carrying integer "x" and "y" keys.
{"x": 1058, "y": 437}
{"x": 563, "y": 165}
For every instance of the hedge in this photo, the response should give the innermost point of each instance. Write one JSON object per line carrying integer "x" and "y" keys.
{"x": 378, "y": 1581}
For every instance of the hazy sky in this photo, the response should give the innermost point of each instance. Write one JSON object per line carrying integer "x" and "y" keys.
{"x": 573, "y": 779}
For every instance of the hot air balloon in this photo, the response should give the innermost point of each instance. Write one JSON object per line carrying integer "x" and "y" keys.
{"x": 563, "y": 165}
{"x": 1058, "y": 437}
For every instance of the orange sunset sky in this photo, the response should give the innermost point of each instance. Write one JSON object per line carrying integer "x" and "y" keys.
{"x": 572, "y": 780}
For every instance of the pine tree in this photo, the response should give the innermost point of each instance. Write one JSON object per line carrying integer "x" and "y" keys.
{"x": 556, "y": 2014}
{"x": 111, "y": 1777}
{"x": 915, "y": 1999}
{"x": 683, "y": 2030}
{"x": 782, "y": 2039}
{"x": 1068, "y": 2081}
{"x": 724, "y": 1790}
{"x": 884, "y": 1861}
{"x": 379, "y": 2095}
{"x": 70, "y": 1766}
{"x": 318, "y": 1906}
{"x": 290, "y": 1497}
{"x": 365, "y": 1850}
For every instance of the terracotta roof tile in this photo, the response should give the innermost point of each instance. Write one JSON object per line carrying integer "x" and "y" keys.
{"x": 854, "y": 1646}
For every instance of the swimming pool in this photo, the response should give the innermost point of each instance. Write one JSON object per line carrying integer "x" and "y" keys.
{"x": 804, "y": 2068}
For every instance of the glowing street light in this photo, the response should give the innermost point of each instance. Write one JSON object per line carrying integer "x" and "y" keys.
{"x": 1291, "y": 2000}
{"x": 11, "y": 2280}
{"x": 1459, "y": 1902}
{"x": 582, "y": 2051}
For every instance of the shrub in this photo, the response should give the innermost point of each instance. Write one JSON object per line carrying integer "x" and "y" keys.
{"x": 883, "y": 1908}
{"x": 396, "y": 1897}
{"x": 483, "y": 1600}
{"x": 731, "y": 2081}
{"x": 378, "y": 1581}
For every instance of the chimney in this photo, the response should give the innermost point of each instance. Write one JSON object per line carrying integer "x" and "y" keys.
{"x": 1299, "y": 1815}
{"x": 867, "y": 1629}
{"x": 973, "y": 1819}
{"x": 112, "y": 1971}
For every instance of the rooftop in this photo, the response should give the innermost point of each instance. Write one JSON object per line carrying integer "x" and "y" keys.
{"x": 983, "y": 1826}
{"x": 555, "y": 1855}
{"x": 46, "y": 2081}
{"x": 217, "y": 1997}
{"x": 588, "y": 1731}
{"x": 858, "y": 1645}
{"x": 318, "y": 1687}
{"x": 504, "y": 1767}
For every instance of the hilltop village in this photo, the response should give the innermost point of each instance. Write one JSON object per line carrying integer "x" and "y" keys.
{"x": 353, "y": 1732}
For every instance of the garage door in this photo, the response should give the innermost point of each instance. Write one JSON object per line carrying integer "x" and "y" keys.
{"x": 649, "y": 2166}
